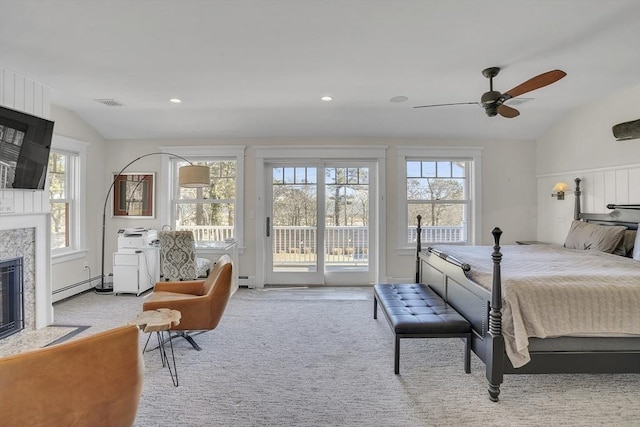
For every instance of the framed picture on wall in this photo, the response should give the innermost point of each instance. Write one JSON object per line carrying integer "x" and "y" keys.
{"x": 134, "y": 195}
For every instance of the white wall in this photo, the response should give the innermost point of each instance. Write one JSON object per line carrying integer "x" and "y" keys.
{"x": 68, "y": 271}
{"x": 509, "y": 198}
{"x": 582, "y": 145}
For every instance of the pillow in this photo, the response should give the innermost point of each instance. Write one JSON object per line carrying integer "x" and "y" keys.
{"x": 625, "y": 247}
{"x": 636, "y": 246}
{"x": 584, "y": 235}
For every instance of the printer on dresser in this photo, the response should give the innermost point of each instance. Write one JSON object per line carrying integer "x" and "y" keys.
{"x": 136, "y": 264}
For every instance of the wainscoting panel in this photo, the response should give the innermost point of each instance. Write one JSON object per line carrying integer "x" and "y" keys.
{"x": 613, "y": 185}
{"x": 21, "y": 93}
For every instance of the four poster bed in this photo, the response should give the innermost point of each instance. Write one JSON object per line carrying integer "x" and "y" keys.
{"x": 546, "y": 308}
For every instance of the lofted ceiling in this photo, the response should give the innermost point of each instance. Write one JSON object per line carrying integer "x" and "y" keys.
{"x": 259, "y": 68}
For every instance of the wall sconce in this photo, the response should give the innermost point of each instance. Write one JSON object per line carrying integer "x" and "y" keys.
{"x": 559, "y": 189}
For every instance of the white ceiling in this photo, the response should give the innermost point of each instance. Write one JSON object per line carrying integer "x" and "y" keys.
{"x": 258, "y": 68}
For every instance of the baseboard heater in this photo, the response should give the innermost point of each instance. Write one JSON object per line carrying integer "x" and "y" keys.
{"x": 247, "y": 281}
{"x": 74, "y": 289}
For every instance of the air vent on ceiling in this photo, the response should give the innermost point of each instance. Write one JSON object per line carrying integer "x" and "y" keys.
{"x": 110, "y": 102}
{"x": 517, "y": 101}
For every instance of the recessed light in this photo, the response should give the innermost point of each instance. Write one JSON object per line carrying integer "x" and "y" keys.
{"x": 398, "y": 99}
{"x": 327, "y": 98}
{"x": 176, "y": 100}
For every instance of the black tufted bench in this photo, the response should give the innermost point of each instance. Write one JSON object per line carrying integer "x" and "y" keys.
{"x": 416, "y": 311}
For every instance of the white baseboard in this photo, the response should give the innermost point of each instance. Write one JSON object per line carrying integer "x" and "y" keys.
{"x": 396, "y": 280}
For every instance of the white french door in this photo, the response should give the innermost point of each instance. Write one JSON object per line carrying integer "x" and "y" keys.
{"x": 318, "y": 225}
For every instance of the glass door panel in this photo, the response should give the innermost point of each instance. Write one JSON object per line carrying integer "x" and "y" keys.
{"x": 318, "y": 224}
{"x": 346, "y": 239}
{"x": 294, "y": 225}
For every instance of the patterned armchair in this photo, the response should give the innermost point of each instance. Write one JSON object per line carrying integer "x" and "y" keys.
{"x": 178, "y": 260}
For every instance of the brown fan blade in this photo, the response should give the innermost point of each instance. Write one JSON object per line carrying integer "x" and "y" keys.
{"x": 443, "y": 105}
{"x": 534, "y": 83}
{"x": 508, "y": 112}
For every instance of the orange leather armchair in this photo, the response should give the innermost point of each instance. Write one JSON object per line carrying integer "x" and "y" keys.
{"x": 91, "y": 381}
{"x": 201, "y": 302}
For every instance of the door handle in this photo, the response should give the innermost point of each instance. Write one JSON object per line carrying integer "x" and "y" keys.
{"x": 268, "y": 227}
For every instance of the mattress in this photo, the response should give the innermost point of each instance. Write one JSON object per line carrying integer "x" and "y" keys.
{"x": 551, "y": 291}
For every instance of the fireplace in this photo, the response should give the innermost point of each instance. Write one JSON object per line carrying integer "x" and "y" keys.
{"x": 27, "y": 236}
{"x": 11, "y": 297}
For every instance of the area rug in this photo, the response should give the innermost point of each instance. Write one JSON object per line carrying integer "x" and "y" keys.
{"x": 299, "y": 361}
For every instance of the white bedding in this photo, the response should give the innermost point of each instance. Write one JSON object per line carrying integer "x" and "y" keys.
{"x": 551, "y": 291}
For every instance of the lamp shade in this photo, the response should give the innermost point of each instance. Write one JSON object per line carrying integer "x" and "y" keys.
{"x": 192, "y": 176}
{"x": 560, "y": 186}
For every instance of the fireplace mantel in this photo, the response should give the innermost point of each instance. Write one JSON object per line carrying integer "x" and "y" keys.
{"x": 40, "y": 222}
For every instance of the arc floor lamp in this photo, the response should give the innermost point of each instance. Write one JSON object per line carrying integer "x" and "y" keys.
{"x": 190, "y": 176}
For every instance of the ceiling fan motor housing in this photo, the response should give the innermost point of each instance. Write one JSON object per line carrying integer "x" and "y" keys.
{"x": 490, "y": 102}
{"x": 490, "y": 97}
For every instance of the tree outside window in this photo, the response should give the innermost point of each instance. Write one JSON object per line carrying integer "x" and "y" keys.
{"x": 60, "y": 199}
{"x": 210, "y": 211}
{"x": 438, "y": 191}
{"x": 347, "y": 189}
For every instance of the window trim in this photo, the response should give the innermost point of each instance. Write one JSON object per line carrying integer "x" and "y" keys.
{"x": 472, "y": 154}
{"x": 202, "y": 153}
{"x": 77, "y": 214}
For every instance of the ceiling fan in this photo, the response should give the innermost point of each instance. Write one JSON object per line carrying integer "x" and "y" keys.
{"x": 493, "y": 101}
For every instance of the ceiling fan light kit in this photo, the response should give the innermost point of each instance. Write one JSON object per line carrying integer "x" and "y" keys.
{"x": 493, "y": 101}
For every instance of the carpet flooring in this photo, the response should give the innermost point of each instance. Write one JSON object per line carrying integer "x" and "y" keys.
{"x": 308, "y": 358}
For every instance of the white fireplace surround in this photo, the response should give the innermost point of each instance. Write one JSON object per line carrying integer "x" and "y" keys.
{"x": 40, "y": 222}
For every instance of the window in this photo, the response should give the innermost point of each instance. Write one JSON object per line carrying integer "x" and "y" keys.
{"x": 440, "y": 185}
{"x": 213, "y": 213}
{"x": 209, "y": 212}
{"x": 437, "y": 191}
{"x": 62, "y": 200}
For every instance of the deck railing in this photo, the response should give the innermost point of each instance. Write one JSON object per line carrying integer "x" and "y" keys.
{"x": 207, "y": 233}
{"x": 343, "y": 245}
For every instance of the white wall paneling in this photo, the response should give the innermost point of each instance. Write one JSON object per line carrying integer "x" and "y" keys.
{"x": 600, "y": 187}
{"x": 23, "y": 94}
{"x": 30, "y": 208}
{"x": 581, "y": 144}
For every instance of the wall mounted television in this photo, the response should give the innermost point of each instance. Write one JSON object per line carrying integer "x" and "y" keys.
{"x": 25, "y": 142}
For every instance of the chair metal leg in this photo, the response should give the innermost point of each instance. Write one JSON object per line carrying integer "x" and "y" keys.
{"x": 147, "y": 343}
{"x": 189, "y": 339}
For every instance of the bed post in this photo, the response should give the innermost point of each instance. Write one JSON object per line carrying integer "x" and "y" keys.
{"x": 418, "y": 248}
{"x": 576, "y": 210}
{"x": 496, "y": 340}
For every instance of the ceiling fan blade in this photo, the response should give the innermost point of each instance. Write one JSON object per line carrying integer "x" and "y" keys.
{"x": 534, "y": 83}
{"x": 508, "y": 112}
{"x": 443, "y": 105}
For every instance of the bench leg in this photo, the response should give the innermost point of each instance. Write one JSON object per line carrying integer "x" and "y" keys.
{"x": 375, "y": 307}
{"x": 467, "y": 354}
{"x": 396, "y": 360}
